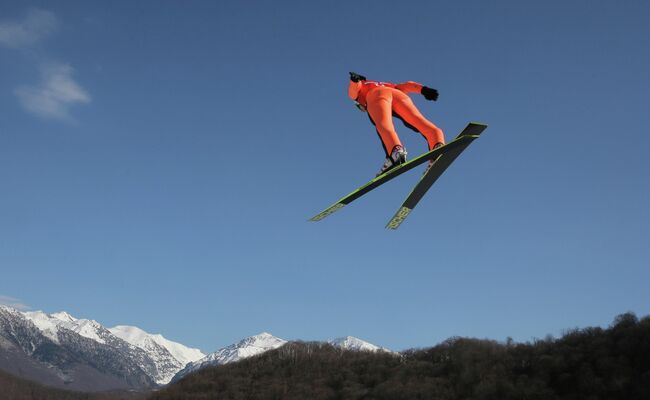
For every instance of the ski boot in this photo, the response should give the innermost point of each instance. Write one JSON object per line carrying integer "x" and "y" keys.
{"x": 433, "y": 161}
{"x": 397, "y": 157}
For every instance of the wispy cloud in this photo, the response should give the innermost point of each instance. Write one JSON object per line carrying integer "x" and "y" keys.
{"x": 32, "y": 29}
{"x": 54, "y": 95}
{"x": 14, "y": 303}
{"x": 57, "y": 91}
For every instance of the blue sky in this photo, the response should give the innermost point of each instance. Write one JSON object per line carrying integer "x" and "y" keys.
{"x": 159, "y": 161}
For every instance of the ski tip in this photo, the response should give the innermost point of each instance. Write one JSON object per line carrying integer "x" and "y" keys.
{"x": 327, "y": 212}
{"x": 398, "y": 218}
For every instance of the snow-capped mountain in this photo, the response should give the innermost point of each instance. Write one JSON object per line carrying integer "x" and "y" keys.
{"x": 61, "y": 350}
{"x": 170, "y": 357}
{"x": 355, "y": 344}
{"x": 58, "y": 356}
{"x": 158, "y": 368}
{"x": 261, "y": 343}
{"x": 245, "y": 348}
{"x": 156, "y": 356}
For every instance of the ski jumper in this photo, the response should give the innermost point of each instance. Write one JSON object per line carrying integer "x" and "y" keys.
{"x": 384, "y": 100}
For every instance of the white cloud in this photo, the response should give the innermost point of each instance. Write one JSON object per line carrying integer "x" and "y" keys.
{"x": 14, "y": 303}
{"x": 36, "y": 25}
{"x": 54, "y": 95}
{"x": 57, "y": 91}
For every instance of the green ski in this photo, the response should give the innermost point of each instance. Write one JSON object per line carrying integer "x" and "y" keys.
{"x": 471, "y": 132}
{"x": 461, "y": 140}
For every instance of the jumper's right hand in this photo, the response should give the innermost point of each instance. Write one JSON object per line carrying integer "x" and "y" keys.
{"x": 429, "y": 93}
{"x": 354, "y": 77}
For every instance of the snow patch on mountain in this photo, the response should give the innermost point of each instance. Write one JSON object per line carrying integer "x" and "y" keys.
{"x": 49, "y": 324}
{"x": 145, "y": 340}
{"x": 64, "y": 316}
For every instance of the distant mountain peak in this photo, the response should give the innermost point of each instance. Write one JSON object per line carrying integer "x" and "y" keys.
{"x": 356, "y": 344}
{"x": 245, "y": 348}
{"x": 250, "y": 345}
{"x": 131, "y": 334}
{"x": 63, "y": 316}
{"x": 263, "y": 339}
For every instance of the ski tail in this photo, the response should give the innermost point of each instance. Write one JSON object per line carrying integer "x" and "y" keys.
{"x": 472, "y": 131}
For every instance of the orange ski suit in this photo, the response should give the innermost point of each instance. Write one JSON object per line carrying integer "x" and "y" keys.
{"x": 384, "y": 100}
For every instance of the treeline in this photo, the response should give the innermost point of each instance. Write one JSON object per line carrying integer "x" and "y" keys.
{"x": 591, "y": 363}
{"x": 14, "y": 388}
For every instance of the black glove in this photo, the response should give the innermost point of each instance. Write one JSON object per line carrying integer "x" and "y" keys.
{"x": 429, "y": 94}
{"x": 354, "y": 77}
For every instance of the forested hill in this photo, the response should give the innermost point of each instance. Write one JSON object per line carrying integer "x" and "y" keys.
{"x": 14, "y": 388}
{"x": 590, "y": 363}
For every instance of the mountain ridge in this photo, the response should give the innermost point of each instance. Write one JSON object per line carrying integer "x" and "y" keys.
{"x": 67, "y": 360}
{"x": 46, "y": 343}
{"x": 60, "y": 333}
{"x": 261, "y": 343}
